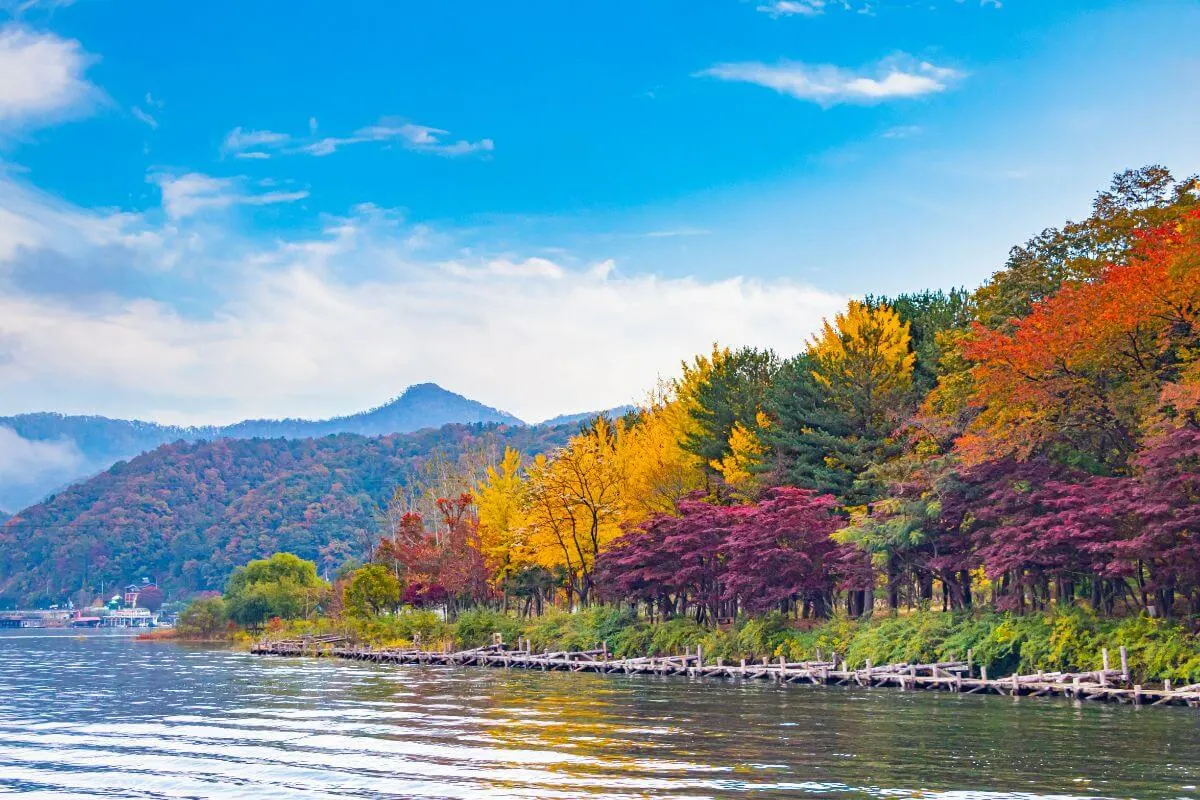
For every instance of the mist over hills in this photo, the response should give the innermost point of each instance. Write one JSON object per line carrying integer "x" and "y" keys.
{"x": 44, "y": 452}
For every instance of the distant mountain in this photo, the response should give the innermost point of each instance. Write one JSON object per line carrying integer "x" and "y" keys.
{"x": 423, "y": 405}
{"x": 576, "y": 419}
{"x": 59, "y": 450}
{"x": 186, "y": 513}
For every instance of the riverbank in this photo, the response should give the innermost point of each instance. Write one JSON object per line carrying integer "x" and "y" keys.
{"x": 1106, "y": 684}
{"x": 1067, "y": 641}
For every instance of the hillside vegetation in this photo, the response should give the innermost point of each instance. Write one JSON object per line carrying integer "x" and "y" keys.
{"x": 187, "y": 513}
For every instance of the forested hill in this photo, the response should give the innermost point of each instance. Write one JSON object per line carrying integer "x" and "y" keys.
{"x": 188, "y": 512}
{"x": 69, "y": 448}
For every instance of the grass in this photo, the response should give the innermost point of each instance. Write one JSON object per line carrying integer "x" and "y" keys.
{"x": 1068, "y": 640}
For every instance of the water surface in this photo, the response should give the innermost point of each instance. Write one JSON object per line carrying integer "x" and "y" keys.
{"x": 104, "y": 716}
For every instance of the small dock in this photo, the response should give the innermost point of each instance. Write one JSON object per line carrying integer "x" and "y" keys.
{"x": 1107, "y": 684}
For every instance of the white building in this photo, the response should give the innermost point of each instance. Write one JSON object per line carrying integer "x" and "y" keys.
{"x": 128, "y": 618}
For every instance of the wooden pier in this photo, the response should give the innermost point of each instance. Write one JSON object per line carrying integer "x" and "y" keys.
{"x": 1106, "y": 684}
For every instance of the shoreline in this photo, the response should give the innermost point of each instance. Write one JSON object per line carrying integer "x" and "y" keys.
{"x": 1105, "y": 685}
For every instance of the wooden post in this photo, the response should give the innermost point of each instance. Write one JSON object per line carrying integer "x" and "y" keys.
{"x": 1016, "y": 685}
{"x": 1137, "y": 692}
{"x": 1104, "y": 656}
{"x": 604, "y": 644}
{"x": 699, "y": 655}
{"x": 1124, "y": 664}
{"x": 782, "y": 668}
{"x": 819, "y": 655}
{"x": 743, "y": 667}
{"x": 970, "y": 660}
{"x": 983, "y": 672}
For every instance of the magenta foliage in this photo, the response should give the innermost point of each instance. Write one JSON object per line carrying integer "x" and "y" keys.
{"x": 1167, "y": 502}
{"x": 1033, "y": 521}
{"x": 724, "y": 556}
{"x": 783, "y": 550}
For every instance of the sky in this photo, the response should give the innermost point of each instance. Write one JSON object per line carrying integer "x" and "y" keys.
{"x": 220, "y": 210}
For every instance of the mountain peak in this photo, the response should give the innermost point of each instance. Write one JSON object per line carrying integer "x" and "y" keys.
{"x": 426, "y": 405}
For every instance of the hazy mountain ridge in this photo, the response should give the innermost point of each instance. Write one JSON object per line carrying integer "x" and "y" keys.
{"x": 58, "y": 450}
{"x": 577, "y": 419}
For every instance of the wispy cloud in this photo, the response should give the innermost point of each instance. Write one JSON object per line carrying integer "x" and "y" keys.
{"x": 421, "y": 138}
{"x": 41, "y": 78}
{"x": 790, "y": 8}
{"x": 192, "y": 193}
{"x": 897, "y": 77}
{"x": 902, "y": 132}
{"x": 19, "y": 7}
{"x": 144, "y": 116}
{"x": 672, "y": 233}
{"x": 243, "y": 143}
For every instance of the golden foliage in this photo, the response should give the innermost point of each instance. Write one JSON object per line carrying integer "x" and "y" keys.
{"x": 574, "y": 504}
{"x": 499, "y": 500}
{"x": 657, "y": 471}
{"x": 866, "y": 350}
{"x": 746, "y": 452}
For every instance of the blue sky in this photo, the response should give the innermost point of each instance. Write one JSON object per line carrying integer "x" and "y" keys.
{"x": 215, "y": 210}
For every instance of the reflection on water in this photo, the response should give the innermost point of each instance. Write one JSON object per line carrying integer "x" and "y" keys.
{"x": 95, "y": 715}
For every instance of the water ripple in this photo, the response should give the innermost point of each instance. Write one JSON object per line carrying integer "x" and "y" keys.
{"x": 104, "y": 716}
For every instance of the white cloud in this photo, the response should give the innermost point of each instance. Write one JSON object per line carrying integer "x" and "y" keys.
{"x": 788, "y": 8}
{"x": 902, "y": 132}
{"x": 421, "y": 138}
{"x": 508, "y": 268}
{"x": 897, "y": 77}
{"x": 194, "y": 192}
{"x": 25, "y": 461}
{"x": 41, "y": 77}
{"x": 16, "y": 232}
{"x": 144, "y": 117}
{"x": 238, "y": 141}
{"x": 19, "y": 7}
{"x": 331, "y": 323}
{"x": 672, "y": 233}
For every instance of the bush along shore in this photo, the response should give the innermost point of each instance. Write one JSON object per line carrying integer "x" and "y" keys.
{"x": 1069, "y": 653}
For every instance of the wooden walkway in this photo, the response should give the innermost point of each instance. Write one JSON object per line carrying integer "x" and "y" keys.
{"x": 1103, "y": 685}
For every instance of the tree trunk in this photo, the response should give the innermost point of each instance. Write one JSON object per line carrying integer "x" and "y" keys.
{"x": 893, "y": 584}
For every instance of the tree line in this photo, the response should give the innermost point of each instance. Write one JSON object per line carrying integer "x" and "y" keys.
{"x": 1033, "y": 443}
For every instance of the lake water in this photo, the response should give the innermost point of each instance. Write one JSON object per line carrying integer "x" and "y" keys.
{"x": 97, "y": 715}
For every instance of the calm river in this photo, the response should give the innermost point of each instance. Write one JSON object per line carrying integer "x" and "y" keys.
{"x": 96, "y": 715}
